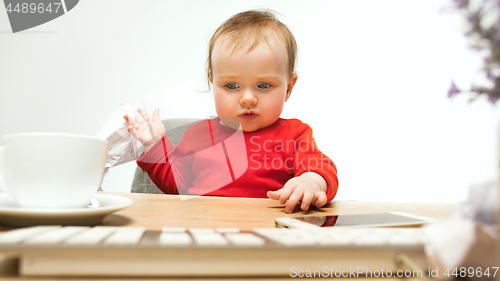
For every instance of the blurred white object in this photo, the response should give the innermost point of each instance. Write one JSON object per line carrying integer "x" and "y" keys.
{"x": 181, "y": 100}
{"x": 468, "y": 238}
{"x": 123, "y": 147}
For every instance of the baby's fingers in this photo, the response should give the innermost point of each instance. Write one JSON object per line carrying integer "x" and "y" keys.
{"x": 129, "y": 120}
{"x": 320, "y": 199}
{"x": 156, "y": 116}
{"x": 287, "y": 191}
{"x": 307, "y": 199}
{"x": 275, "y": 195}
{"x": 138, "y": 119}
{"x": 144, "y": 114}
{"x": 294, "y": 199}
{"x": 140, "y": 116}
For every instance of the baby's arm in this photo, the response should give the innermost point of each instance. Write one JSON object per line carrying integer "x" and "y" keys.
{"x": 310, "y": 188}
{"x": 155, "y": 162}
{"x": 316, "y": 182}
{"x": 148, "y": 131}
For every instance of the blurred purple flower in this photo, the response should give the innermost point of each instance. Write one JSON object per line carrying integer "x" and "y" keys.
{"x": 453, "y": 90}
{"x": 484, "y": 36}
{"x": 461, "y": 3}
{"x": 474, "y": 17}
{"x": 492, "y": 77}
{"x": 493, "y": 100}
{"x": 494, "y": 3}
{"x": 495, "y": 96}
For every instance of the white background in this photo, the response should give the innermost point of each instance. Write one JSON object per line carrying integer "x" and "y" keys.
{"x": 373, "y": 79}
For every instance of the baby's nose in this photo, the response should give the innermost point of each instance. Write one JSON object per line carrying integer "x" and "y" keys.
{"x": 248, "y": 97}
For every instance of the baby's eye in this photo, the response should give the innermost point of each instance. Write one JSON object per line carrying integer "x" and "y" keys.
{"x": 264, "y": 86}
{"x": 232, "y": 86}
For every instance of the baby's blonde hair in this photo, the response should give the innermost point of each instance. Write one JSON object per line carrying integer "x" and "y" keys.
{"x": 250, "y": 28}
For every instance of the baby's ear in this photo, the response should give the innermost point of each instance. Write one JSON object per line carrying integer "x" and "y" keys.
{"x": 291, "y": 83}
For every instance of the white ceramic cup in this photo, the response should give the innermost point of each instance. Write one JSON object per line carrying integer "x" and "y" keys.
{"x": 52, "y": 170}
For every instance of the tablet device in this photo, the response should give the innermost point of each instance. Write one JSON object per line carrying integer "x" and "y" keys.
{"x": 354, "y": 220}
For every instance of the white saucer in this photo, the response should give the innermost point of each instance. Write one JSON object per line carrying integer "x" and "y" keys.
{"x": 14, "y": 215}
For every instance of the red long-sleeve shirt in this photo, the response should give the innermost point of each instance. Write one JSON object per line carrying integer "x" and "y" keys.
{"x": 215, "y": 160}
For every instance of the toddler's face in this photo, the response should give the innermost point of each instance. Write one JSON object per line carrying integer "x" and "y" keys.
{"x": 250, "y": 86}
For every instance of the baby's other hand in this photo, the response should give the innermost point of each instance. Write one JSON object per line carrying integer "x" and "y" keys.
{"x": 307, "y": 188}
{"x": 148, "y": 131}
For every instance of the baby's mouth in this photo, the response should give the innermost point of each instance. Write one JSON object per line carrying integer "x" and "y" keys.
{"x": 248, "y": 115}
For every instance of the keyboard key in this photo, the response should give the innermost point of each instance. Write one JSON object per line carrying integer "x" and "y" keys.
{"x": 175, "y": 239}
{"x": 57, "y": 235}
{"x": 272, "y": 232}
{"x": 245, "y": 239}
{"x": 126, "y": 236}
{"x": 21, "y": 234}
{"x": 91, "y": 236}
{"x": 210, "y": 239}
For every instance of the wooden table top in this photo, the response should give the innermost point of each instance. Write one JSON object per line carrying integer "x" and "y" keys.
{"x": 155, "y": 211}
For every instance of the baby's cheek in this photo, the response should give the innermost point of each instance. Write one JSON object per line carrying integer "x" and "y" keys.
{"x": 224, "y": 105}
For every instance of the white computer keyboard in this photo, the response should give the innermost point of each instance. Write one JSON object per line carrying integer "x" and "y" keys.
{"x": 133, "y": 251}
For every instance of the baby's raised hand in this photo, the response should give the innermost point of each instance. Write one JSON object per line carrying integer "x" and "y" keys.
{"x": 148, "y": 131}
{"x": 309, "y": 188}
